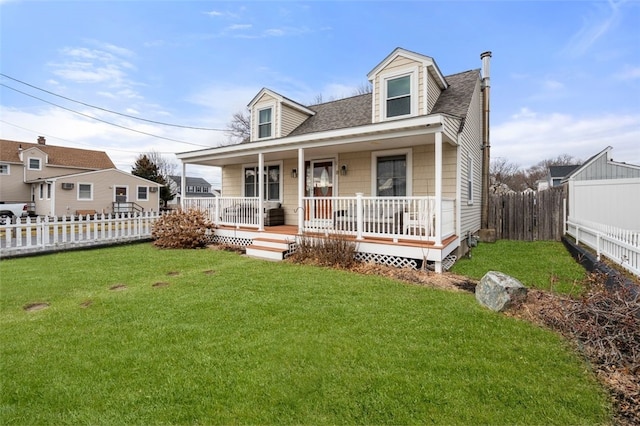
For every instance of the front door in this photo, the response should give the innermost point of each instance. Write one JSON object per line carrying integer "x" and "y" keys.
{"x": 121, "y": 194}
{"x": 320, "y": 187}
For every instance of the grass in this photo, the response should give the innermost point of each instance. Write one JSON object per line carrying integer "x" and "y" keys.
{"x": 544, "y": 265}
{"x": 232, "y": 340}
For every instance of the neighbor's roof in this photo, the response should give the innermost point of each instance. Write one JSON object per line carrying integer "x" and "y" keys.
{"x": 57, "y": 155}
{"x": 562, "y": 171}
{"x": 191, "y": 181}
{"x": 356, "y": 111}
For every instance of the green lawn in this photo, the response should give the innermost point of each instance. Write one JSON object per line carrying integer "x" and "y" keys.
{"x": 232, "y": 340}
{"x": 545, "y": 265}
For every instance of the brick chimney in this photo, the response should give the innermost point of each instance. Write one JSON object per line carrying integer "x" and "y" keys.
{"x": 42, "y": 140}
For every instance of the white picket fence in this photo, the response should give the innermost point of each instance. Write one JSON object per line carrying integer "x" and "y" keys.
{"x": 40, "y": 234}
{"x": 619, "y": 245}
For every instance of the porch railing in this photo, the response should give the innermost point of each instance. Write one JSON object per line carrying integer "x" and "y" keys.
{"x": 412, "y": 218}
{"x": 228, "y": 211}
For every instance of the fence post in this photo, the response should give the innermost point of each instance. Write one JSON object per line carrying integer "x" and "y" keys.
{"x": 598, "y": 239}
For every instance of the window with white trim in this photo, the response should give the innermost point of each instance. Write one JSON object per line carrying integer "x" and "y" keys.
{"x": 272, "y": 182}
{"x": 85, "y": 191}
{"x": 48, "y": 191}
{"x": 4, "y": 169}
{"x": 469, "y": 179}
{"x": 398, "y": 101}
{"x": 265, "y": 119}
{"x": 143, "y": 193}
{"x": 41, "y": 191}
{"x": 34, "y": 163}
{"x": 391, "y": 176}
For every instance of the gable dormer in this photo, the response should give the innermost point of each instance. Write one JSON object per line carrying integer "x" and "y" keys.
{"x": 274, "y": 116}
{"x": 405, "y": 84}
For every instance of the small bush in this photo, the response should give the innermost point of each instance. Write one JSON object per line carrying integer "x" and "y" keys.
{"x": 181, "y": 229}
{"x": 334, "y": 250}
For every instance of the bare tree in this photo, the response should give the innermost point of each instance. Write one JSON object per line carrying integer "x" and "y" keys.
{"x": 239, "y": 128}
{"x": 363, "y": 89}
{"x": 166, "y": 165}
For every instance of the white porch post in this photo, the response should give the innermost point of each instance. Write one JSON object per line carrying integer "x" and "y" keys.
{"x": 301, "y": 181}
{"x": 183, "y": 184}
{"x": 260, "y": 191}
{"x": 438, "y": 181}
{"x": 438, "y": 236}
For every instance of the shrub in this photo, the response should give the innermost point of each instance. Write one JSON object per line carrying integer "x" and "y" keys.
{"x": 181, "y": 229}
{"x": 335, "y": 250}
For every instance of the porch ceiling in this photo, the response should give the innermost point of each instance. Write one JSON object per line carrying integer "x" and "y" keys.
{"x": 281, "y": 149}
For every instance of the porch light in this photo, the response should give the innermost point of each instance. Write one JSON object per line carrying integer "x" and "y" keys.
{"x": 294, "y": 173}
{"x": 343, "y": 170}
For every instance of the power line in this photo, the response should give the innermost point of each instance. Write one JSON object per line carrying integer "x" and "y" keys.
{"x": 113, "y": 112}
{"x": 37, "y": 132}
{"x": 102, "y": 121}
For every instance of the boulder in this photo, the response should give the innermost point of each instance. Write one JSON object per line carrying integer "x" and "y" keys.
{"x": 498, "y": 291}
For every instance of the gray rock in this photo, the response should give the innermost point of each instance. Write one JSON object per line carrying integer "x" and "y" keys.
{"x": 498, "y": 291}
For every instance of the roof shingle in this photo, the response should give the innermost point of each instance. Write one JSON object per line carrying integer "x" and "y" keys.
{"x": 58, "y": 155}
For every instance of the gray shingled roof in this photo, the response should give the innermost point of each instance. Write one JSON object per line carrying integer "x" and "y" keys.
{"x": 191, "y": 181}
{"x": 456, "y": 98}
{"x": 356, "y": 111}
{"x": 340, "y": 114}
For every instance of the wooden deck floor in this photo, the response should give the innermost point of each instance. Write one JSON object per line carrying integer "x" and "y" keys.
{"x": 292, "y": 230}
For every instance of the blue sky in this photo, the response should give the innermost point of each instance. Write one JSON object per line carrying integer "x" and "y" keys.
{"x": 565, "y": 75}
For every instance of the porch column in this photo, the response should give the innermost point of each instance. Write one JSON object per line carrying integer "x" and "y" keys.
{"x": 260, "y": 191}
{"x": 438, "y": 180}
{"x": 301, "y": 180}
{"x": 183, "y": 184}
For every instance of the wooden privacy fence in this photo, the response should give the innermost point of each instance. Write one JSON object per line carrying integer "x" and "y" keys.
{"x": 528, "y": 216}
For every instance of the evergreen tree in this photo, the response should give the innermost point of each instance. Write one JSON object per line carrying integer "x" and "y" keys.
{"x": 144, "y": 167}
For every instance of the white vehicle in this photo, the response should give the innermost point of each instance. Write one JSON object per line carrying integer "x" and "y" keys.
{"x": 12, "y": 210}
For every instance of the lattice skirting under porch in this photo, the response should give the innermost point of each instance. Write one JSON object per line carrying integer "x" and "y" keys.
{"x": 231, "y": 241}
{"x": 385, "y": 259}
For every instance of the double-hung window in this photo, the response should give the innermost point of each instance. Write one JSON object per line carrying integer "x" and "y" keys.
{"x": 4, "y": 169}
{"x": 398, "y": 96}
{"x": 34, "y": 164}
{"x": 85, "y": 191}
{"x": 272, "y": 182}
{"x": 143, "y": 193}
{"x": 264, "y": 123}
{"x": 391, "y": 176}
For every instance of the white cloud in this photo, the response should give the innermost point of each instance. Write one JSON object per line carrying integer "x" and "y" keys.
{"x": 240, "y": 27}
{"x": 594, "y": 26}
{"x": 529, "y": 137}
{"x": 628, "y": 73}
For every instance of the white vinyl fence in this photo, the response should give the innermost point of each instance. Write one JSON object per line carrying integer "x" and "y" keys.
{"x": 619, "y": 245}
{"x": 40, "y": 234}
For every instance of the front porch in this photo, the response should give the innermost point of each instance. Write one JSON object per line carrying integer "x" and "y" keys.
{"x": 398, "y": 231}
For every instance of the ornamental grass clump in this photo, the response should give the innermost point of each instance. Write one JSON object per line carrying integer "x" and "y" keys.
{"x": 334, "y": 250}
{"x": 186, "y": 229}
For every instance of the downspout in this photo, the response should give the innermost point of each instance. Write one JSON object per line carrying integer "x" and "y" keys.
{"x": 183, "y": 184}
{"x": 486, "y": 145}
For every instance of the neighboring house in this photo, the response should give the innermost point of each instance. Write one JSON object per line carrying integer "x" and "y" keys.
{"x": 399, "y": 169}
{"x": 555, "y": 175}
{"x": 606, "y": 192}
{"x": 67, "y": 181}
{"x": 195, "y": 188}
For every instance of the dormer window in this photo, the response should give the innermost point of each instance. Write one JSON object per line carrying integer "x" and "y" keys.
{"x": 398, "y": 96}
{"x": 264, "y": 123}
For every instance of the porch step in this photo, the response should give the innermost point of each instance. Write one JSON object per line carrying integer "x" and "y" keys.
{"x": 268, "y": 248}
